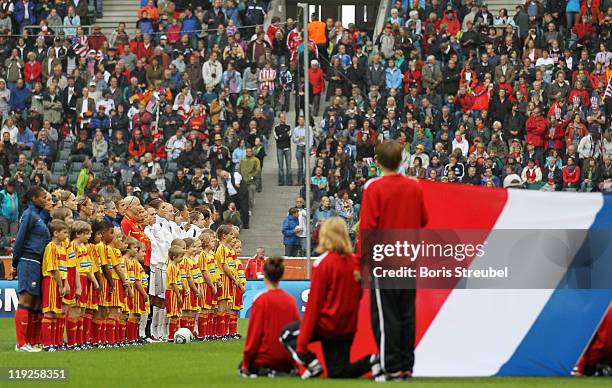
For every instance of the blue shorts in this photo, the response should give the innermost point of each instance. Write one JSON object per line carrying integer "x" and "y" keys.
{"x": 29, "y": 277}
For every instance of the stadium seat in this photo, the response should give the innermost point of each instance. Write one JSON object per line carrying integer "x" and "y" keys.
{"x": 97, "y": 167}
{"x": 72, "y": 178}
{"x": 76, "y": 166}
{"x": 55, "y": 178}
{"x": 169, "y": 177}
{"x": 27, "y": 153}
{"x": 58, "y": 168}
{"x": 64, "y": 155}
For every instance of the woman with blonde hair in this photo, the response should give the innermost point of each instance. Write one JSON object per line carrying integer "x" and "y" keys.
{"x": 331, "y": 313}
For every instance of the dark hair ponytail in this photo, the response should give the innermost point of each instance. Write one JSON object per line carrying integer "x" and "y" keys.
{"x": 274, "y": 268}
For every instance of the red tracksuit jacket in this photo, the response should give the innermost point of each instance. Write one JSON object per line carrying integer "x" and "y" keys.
{"x": 271, "y": 311}
{"x": 391, "y": 202}
{"x": 333, "y": 302}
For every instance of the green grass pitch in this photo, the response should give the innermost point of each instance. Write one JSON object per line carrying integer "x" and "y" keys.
{"x": 210, "y": 364}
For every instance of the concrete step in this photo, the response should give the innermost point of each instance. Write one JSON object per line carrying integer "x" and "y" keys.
{"x": 271, "y": 206}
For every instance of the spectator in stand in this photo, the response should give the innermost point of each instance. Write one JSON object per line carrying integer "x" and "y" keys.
{"x": 255, "y": 265}
{"x": 9, "y": 209}
{"x": 290, "y": 238}
{"x": 571, "y": 175}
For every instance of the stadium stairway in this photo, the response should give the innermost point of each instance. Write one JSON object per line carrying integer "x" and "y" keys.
{"x": 116, "y": 11}
{"x": 271, "y": 206}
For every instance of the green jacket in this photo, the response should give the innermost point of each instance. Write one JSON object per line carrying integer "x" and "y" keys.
{"x": 82, "y": 181}
{"x": 249, "y": 168}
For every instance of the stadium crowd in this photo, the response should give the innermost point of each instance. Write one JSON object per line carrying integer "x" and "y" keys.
{"x": 184, "y": 108}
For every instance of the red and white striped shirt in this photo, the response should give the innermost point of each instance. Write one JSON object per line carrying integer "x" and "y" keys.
{"x": 267, "y": 77}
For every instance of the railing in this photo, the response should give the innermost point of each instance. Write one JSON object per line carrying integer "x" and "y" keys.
{"x": 35, "y": 29}
{"x": 383, "y": 13}
{"x": 276, "y": 8}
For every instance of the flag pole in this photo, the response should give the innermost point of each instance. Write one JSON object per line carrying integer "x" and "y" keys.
{"x": 306, "y": 48}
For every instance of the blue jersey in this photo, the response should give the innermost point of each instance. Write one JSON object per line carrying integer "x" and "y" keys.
{"x": 33, "y": 235}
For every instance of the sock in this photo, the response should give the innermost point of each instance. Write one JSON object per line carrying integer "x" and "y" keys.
{"x": 54, "y": 328}
{"x": 217, "y": 321}
{"x": 94, "y": 336}
{"x": 203, "y": 326}
{"x": 154, "y": 322}
{"x": 191, "y": 324}
{"x": 79, "y": 332}
{"x": 118, "y": 335}
{"x": 47, "y": 331}
{"x": 110, "y": 330}
{"x": 222, "y": 328}
{"x": 172, "y": 327}
{"x": 183, "y": 322}
{"x": 212, "y": 321}
{"x": 102, "y": 330}
{"x": 142, "y": 326}
{"x": 132, "y": 327}
{"x": 60, "y": 328}
{"x": 37, "y": 318}
{"x": 166, "y": 332}
{"x": 71, "y": 330}
{"x": 22, "y": 316}
{"x": 87, "y": 330}
{"x": 122, "y": 328}
{"x": 233, "y": 325}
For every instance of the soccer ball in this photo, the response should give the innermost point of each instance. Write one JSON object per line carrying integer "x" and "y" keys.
{"x": 182, "y": 336}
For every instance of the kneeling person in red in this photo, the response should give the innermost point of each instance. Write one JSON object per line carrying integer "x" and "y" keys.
{"x": 272, "y": 310}
{"x": 331, "y": 312}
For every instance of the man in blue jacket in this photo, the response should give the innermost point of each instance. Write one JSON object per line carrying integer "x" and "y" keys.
{"x": 32, "y": 238}
{"x": 20, "y": 96}
{"x": 290, "y": 238}
{"x": 100, "y": 120}
{"x": 25, "y": 13}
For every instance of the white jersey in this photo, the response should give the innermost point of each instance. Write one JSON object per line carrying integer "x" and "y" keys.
{"x": 194, "y": 231}
{"x": 159, "y": 235}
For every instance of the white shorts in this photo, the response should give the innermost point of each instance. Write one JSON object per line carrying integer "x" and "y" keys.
{"x": 157, "y": 283}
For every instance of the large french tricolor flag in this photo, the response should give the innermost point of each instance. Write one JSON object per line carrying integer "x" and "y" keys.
{"x": 518, "y": 332}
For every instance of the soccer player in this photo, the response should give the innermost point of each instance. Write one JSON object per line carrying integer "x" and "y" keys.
{"x": 238, "y": 291}
{"x": 198, "y": 279}
{"x": 189, "y": 288}
{"x": 142, "y": 301}
{"x": 107, "y": 234}
{"x": 120, "y": 288}
{"x": 91, "y": 310}
{"x": 332, "y": 309}
{"x": 224, "y": 255}
{"x": 174, "y": 285}
{"x": 208, "y": 266}
{"x": 272, "y": 310}
{"x": 80, "y": 233}
{"x": 32, "y": 237}
{"x": 68, "y": 258}
{"x": 161, "y": 233}
{"x": 54, "y": 285}
{"x": 392, "y": 310}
